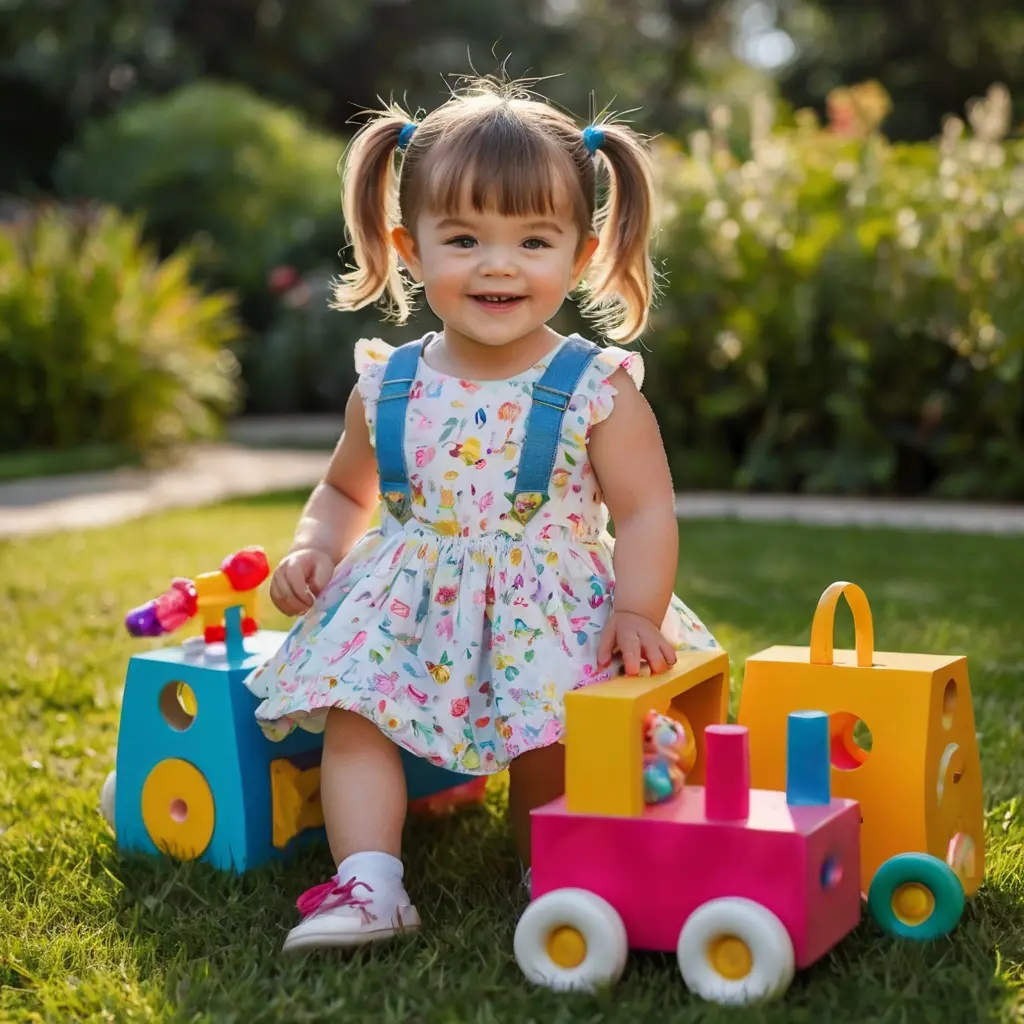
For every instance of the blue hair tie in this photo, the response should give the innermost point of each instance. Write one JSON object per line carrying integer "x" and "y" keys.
{"x": 405, "y": 135}
{"x": 593, "y": 139}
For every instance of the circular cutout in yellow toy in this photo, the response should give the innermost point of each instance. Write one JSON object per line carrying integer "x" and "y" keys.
{"x": 177, "y": 808}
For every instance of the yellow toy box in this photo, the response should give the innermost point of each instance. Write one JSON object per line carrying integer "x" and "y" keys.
{"x": 919, "y": 783}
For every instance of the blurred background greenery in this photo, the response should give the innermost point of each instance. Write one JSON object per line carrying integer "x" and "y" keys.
{"x": 842, "y": 218}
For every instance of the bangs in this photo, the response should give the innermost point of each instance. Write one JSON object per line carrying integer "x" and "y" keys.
{"x": 503, "y": 164}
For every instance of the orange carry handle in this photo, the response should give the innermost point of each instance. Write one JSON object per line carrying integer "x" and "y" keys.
{"x": 822, "y": 627}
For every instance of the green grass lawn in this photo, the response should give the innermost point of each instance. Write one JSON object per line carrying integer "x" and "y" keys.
{"x": 86, "y": 935}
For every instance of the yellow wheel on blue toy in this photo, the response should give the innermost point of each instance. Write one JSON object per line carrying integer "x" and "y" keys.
{"x": 177, "y": 809}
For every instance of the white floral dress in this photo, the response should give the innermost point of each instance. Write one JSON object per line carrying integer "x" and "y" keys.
{"x": 459, "y": 631}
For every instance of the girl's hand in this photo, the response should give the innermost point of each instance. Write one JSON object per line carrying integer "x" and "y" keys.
{"x": 636, "y": 638}
{"x": 299, "y": 579}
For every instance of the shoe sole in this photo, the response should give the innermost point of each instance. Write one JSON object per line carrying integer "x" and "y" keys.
{"x": 328, "y": 939}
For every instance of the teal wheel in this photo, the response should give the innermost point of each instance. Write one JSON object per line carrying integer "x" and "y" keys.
{"x": 916, "y": 896}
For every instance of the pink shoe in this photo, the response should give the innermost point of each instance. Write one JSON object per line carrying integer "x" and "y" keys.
{"x": 332, "y": 915}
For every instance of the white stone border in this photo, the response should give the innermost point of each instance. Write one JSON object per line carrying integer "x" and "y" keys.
{"x": 960, "y": 517}
{"x": 218, "y": 472}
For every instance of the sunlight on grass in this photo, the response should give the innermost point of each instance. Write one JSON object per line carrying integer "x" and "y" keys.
{"x": 86, "y": 934}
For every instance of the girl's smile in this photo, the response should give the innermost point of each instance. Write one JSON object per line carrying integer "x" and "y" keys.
{"x": 499, "y": 304}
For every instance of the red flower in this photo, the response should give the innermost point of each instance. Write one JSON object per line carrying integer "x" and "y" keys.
{"x": 282, "y": 279}
{"x": 460, "y": 706}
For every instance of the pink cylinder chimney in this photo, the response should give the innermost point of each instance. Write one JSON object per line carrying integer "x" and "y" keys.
{"x": 727, "y": 773}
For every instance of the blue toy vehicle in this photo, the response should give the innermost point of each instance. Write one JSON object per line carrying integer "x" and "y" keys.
{"x": 195, "y": 776}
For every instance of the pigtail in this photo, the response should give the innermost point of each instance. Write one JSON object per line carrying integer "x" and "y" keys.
{"x": 620, "y": 282}
{"x": 370, "y": 205}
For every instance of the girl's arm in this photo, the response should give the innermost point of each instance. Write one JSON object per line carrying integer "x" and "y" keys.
{"x": 340, "y": 507}
{"x": 629, "y": 460}
{"x": 335, "y": 517}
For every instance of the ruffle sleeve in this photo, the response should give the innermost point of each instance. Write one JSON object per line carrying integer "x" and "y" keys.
{"x": 371, "y": 357}
{"x": 600, "y": 390}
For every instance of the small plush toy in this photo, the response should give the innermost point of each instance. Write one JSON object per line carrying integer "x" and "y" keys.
{"x": 669, "y": 753}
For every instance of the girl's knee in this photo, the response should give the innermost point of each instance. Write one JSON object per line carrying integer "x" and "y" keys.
{"x": 545, "y": 765}
{"x": 350, "y": 727}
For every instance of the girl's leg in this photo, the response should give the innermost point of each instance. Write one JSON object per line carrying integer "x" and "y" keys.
{"x": 363, "y": 794}
{"x": 535, "y": 778}
{"x": 362, "y": 787}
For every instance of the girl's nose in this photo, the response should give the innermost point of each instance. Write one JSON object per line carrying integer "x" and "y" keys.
{"x": 497, "y": 262}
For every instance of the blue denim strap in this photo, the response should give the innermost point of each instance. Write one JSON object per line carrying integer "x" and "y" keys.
{"x": 392, "y": 404}
{"x": 551, "y": 397}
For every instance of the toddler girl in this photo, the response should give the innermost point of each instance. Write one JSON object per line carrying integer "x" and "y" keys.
{"x": 490, "y": 586}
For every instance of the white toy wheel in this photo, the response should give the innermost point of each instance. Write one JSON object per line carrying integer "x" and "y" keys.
{"x": 107, "y": 794}
{"x": 570, "y": 939}
{"x": 735, "y": 951}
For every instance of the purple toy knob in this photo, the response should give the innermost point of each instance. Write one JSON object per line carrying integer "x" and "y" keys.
{"x": 143, "y": 621}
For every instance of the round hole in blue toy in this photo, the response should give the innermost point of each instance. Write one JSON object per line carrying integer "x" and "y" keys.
{"x": 916, "y": 896}
{"x": 831, "y": 872}
{"x": 178, "y": 705}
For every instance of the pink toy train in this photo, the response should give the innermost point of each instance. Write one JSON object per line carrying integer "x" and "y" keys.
{"x": 745, "y": 886}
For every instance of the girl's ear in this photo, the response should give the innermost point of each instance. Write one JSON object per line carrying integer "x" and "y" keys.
{"x": 403, "y": 241}
{"x": 587, "y": 251}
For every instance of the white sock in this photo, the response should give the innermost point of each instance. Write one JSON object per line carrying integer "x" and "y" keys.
{"x": 382, "y": 872}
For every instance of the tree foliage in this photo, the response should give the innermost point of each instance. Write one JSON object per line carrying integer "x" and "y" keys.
{"x": 69, "y": 61}
{"x": 931, "y": 55}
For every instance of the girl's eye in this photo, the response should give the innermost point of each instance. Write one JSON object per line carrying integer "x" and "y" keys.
{"x": 462, "y": 242}
{"x": 536, "y": 243}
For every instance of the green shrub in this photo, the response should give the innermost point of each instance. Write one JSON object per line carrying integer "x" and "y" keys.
{"x": 304, "y": 362}
{"x": 245, "y": 181}
{"x": 842, "y": 314}
{"x": 102, "y": 343}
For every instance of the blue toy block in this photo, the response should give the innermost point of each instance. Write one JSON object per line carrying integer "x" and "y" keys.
{"x": 213, "y": 767}
{"x": 808, "y": 764}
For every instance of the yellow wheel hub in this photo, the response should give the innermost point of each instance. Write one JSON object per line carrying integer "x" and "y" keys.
{"x": 913, "y": 903}
{"x": 177, "y": 809}
{"x": 567, "y": 947}
{"x": 730, "y": 957}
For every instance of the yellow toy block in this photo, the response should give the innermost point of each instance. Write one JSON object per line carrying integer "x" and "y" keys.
{"x": 604, "y": 729}
{"x": 215, "y": 594}
{"x": 295, "y": 798}
{"x": 212, "y": 587}
{"x": 919, "y": 782}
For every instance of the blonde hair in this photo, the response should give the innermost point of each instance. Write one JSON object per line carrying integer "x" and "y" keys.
{"x": 519, "y": 156}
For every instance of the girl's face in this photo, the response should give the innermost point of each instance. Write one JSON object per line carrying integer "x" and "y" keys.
{"x": 495, "y": 279}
